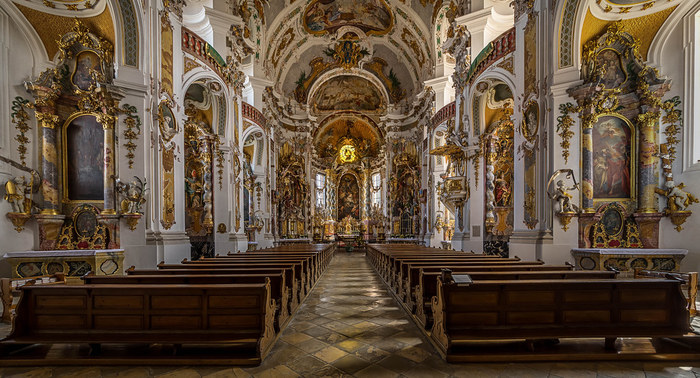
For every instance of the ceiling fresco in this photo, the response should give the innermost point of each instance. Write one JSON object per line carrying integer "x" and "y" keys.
{"x": 347, "y": 92}
{"x": 327, "y": 16}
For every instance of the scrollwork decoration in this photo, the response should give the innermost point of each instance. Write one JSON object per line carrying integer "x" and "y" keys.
{"x": 20, "y": 118}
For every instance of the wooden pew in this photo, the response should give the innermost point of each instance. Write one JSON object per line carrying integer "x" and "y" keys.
{"x": 307, "y": 268}
{"x": 426, "y": 287}
{"x": 210, "y": 315}
{"x": 299, "y": 274}
{"x": 690, "y": 280}
{"x": 410, "y": 282}
{"x": 279, "y": 290}
{"x": 9, "y": 291}
{"x": 553, "y": 309}
{"x": 290, "y": 280}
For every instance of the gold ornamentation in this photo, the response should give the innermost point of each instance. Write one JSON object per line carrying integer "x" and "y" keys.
{"x": 507, "y": 64}
{"x": 18, "y": 220}
{"x": 530, "y": 209}
{"x": 219, "y": 161}
{"x": 168, "y": 189}
{"x": 132, "y": 220}
{"x": 347, "y": 52}
{"x": 20, "y": 118}
{"x": 190, "y": 64}
{"x": 132, "y": 131}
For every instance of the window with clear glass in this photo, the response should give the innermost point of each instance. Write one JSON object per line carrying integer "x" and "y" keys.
{"x": 320, "y": 190}
{"x": 376, "y": 189}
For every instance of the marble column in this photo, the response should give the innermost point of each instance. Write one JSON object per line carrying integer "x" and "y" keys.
{"x": 48, "y": 122}
{"x": 647, "y": 180}
{"x": 107, "y": 122}
{"x": 587, "y": 168}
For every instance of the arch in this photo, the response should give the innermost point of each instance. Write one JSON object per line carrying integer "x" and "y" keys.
{"x": 129, "y": 33}
{"x": 494, "y": 74}
{"x": 40, "y": 57}
{"x": 260, "y": 147}
{"x": 675, "y": 20}
{"x": 568, "y": 24}
{"x": 203, "y": 74}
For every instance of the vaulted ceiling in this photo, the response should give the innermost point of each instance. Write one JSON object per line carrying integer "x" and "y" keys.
{"x": 349, "y": 55}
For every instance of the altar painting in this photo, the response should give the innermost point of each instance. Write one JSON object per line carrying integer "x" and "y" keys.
{"x": 327, "y": 16}
{"x": 348, "y": 197}
{"x": 84, "y": 159}
{"x": 86, "y": 63}
{"x": 612, "y": 74}
{"x": 612, "y": 158}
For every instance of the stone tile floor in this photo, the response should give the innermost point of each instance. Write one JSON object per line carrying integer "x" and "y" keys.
{"x": 351, "y": 326}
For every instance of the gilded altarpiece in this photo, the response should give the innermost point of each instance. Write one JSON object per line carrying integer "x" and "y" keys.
{"x": 499, "y": 182}
{"x": 199, "y": 184}
{"x": 404, "y": 190}
{"x": 292, "y": 190}
{"x": 619, "y": 106}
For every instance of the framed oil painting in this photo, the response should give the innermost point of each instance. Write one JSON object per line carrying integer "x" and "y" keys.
{"x": 86, "y": 62}
{"x": 531, "y": 120}
{"x": 167, "y": 122}
{"x": 613, "y": 159}
{"x": 612, "y": 73}
{"x": 83, "y": 159}
{"x": 348, "y": 197}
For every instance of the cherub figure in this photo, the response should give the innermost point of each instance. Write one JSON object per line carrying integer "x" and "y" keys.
{"x": 678, "y": 199}
{"x": 563, "y": 197}
{"x": 15, "y": 190}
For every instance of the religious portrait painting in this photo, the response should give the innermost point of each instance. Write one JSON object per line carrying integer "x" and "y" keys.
{"x": 612, "y": 158}
{"x": 86, "y": 63}
{"x": 327, "y": 16}
{"x": 530, "y": 123}
{"x": 611, "y": 73}
{"x": 84, "y": 154}
{"x": 167, "y": 123}
{"x": 348, "y": 197}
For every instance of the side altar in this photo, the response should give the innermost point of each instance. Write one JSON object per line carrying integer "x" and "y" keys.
{"x": 72, "y": 263}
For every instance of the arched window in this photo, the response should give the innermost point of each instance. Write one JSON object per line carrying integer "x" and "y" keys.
{"x": 320, "y": 190}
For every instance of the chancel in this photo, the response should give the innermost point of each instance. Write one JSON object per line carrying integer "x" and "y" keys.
{"x": 349, "y": 188}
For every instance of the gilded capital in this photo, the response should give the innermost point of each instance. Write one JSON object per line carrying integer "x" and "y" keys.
{"x": 47, "y": 120}
{"x": 106, "y": 120}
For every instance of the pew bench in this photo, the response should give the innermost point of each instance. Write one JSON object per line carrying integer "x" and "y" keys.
{"x": 278, "y": 289}
{"x": 554, "y": 309}
{"x": 197, "y": 315}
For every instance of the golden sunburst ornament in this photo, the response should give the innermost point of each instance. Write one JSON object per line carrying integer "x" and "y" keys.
{"x": 348, "y": 153}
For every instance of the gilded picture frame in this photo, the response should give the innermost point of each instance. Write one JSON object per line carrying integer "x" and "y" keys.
{"x": 167, "y": 123}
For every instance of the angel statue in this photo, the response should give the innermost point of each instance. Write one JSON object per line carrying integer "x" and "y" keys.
{"x": 561, "y": 192}
{"x": 133, "y": 195}
{"x": 678, "y": 199}
{"x": 15, "y": 190}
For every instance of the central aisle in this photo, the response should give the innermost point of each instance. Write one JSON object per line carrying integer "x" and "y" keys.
{"x": 350, "y": 324}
